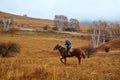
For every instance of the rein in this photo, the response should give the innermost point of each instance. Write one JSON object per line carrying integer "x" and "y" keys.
{"x": 60, "y": 47}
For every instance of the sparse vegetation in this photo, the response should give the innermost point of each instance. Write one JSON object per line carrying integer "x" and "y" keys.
{"x": 89, "y": 50}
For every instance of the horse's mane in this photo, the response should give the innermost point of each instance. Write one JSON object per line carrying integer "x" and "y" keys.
{"x": 61, "y": 46}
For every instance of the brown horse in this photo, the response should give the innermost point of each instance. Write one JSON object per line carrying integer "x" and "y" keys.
{"x": 77, "y": 52}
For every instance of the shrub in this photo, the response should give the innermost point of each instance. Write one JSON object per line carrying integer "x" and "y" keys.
{"x": 1, "y": 30}
{"x": 12, "y": 31}
{"x": 54, "y": 28}
{"x": 7, "y": 48}
{"x": 70, "y": 29}
{"x": 46, "y": 27}
{"x": 107, "y": 47}
{"x": 88, "y": 50}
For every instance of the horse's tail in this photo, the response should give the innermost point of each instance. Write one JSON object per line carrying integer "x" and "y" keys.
{"x": 83, "y": 53}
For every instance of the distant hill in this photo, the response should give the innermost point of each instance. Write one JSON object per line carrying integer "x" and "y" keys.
{"x": 28, "y": 22}
{"x": 85, "y": 22}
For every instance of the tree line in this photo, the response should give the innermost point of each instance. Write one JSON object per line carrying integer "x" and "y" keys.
{"x": 102, "y": 31}
{"x": 62, "y": 23}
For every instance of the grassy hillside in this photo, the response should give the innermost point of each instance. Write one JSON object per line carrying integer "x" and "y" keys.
{"x": 38, "y": 61}
{"x": 32, "y": 22}
{"x": 28, "y": 21}
{"x": 114, "y": 45}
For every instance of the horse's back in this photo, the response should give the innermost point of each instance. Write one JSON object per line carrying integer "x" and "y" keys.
{"x": 79, "y": 51}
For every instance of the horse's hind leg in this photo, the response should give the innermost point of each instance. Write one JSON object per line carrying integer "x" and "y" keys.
{"x": 83, "y": 53}
{"x": 79, "y": 60}
{"x": 65, "y": 60}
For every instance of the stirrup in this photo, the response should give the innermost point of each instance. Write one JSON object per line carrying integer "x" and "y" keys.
{"x": 69, "y": 53}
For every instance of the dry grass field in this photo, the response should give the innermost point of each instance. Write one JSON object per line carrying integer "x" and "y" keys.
{"x": 38, "y": 61}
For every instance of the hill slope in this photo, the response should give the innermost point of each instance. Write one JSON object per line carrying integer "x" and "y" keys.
{"x": 27, "y": 21}
{"x": 114, "y": 45}
{"x": 22, "y": 21}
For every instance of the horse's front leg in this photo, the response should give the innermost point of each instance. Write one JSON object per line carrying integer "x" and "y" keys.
{"x": 64, "y": 60}
{"x": 61, "y": 59}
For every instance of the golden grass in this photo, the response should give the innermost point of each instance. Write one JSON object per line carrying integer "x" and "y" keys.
{"x": 38, "y": 61}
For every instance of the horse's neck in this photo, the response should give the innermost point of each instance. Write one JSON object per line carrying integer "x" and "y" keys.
{"x": 61, "y": 49}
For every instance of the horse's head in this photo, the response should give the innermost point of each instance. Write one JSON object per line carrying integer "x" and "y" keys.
{"x": 56, "y": 47}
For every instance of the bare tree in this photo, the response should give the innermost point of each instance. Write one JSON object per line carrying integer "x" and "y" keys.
{"x": 102, "y": 32}
{"x": 95, "y": 33}
{"x": 99, "y": 33}
{"x": 7, "y": 21}
{"x": 74, "y": 23}
{"x": 116, "y": 30}
{"x": 113, "y": 30}
{"x": 60, "y": 22}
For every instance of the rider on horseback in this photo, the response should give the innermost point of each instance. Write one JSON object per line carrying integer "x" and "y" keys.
{"x": 68, "y": 45}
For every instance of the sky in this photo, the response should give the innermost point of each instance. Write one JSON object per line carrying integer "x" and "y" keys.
{"x": 89, "y": 10}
